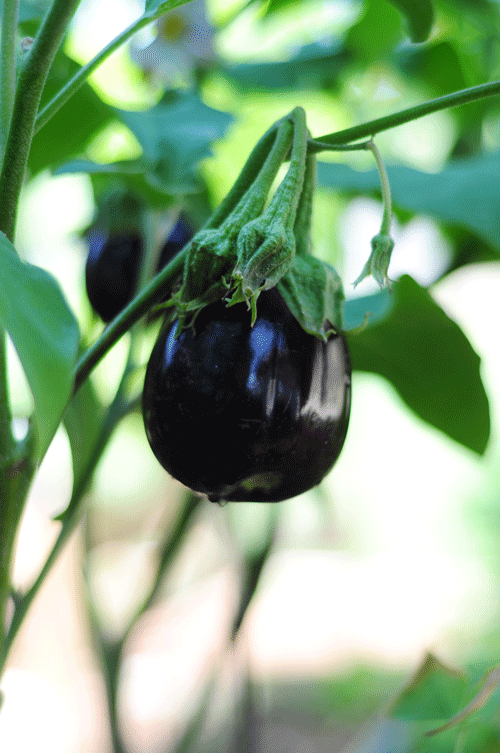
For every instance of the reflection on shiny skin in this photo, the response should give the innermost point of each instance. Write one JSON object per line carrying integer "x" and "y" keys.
{"x": 327, "y": 391}
{"x": 264, "y": 342}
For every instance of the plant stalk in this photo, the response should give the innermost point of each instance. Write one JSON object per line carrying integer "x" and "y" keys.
{"x": 385, "y": 228}
{"x": 368, "y": 130}
{"x": 8, "y": 58}
{"x": 29, "y": 91}
{"x": 115, "y": 413}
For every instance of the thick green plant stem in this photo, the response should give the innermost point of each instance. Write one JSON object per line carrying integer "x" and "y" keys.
{"x": 16, "y": 471}
{"x": 8, "y": 58}
{"x": 29, "y": 91}
{"x": 80, "y": 78}
{"x": 71, "y": 516}
{"x": 367, "y": 130}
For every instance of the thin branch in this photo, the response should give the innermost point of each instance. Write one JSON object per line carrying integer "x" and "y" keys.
{"x": 367, "y": 130}
{"x": 80, "y": 78}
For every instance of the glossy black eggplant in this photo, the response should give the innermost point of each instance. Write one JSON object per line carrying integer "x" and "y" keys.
{"x": 114, "y": 262}
{"x": 243, "y": 413}
{"x": 112, "y": 271}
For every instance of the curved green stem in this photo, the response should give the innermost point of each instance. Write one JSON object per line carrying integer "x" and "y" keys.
{"x": 385, "y": 228}
{"x": 29, "y": 91}
{"x": 367, "y": 130}
{"x": 261, "y": 163}
{"x": 80, "y": 78}
{"x": 8, "y": 57}
{"x": 317, "y": 145}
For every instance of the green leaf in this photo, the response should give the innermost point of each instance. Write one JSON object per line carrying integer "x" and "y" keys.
{"x": 487, "y": 687}
{"x": 419, "y": 17}
{"x": 427, "y": 358}
{"x": 45, "y": 334}
{"x": 481, "y": 737}
{"x": 131, "y": 173}
{"x": 313, "y": 66}
{"x": 175, "y": 135}
{"x": 435, "y": 692}
{"x": 465, "y": 193}
{"x": 440, "y": 64}
{"x": 83, "y": 421}
{"x": 128, "y": 167}
{"x": 71, "y": 128}
{"x": 376, "y": 33}
{"x": 312, "y": 290}
{"x": 367, "y": 308}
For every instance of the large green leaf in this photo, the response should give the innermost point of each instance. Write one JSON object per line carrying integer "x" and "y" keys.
{"x": 429, "y": 361}
{"x": 367, "y": 309}
{"x": 419, "y": 16}
{"x": 465, "y": 193}
{"x": 175, "y": 135}
{"x": 313, "y": 66}
{"x": 376, "y": 34}
{"x": 435, "y": 692}
{"x": 45, "y": 334}
{"x": 71, "y": 128}
{"x": 439, "y": 64}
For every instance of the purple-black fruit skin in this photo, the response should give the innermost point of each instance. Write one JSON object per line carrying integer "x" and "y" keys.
{"x": 114, "y": 262}
{"x": 180, "y": 234}
{"x": 112, "y": 271}
{"x": 247, "y": 414}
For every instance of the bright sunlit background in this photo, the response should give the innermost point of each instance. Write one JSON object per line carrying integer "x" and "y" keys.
{"x": 392, "y": 557}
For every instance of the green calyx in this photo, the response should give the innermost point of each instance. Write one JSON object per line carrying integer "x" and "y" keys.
{"x": 257, "y": 247}
{"x": 265, "y": 247}
{"x": 378, "y": 264}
